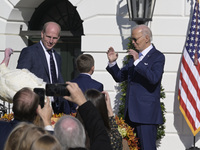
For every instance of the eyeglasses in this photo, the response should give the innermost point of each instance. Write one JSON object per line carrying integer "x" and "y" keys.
{"x": 135, "y": 40}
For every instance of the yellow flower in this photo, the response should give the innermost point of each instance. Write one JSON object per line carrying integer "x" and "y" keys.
{"x": 122, "y": 131}
{"x": 7, "y": 117}
{"x": 127, "y": 133}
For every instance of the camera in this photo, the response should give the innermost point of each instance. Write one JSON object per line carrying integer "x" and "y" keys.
{"x": 56, "y": 90}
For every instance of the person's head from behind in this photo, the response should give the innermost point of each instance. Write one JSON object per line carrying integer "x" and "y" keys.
{"x": 29, "y": 136}
{"x": 46, "y": 142}
{"x": 141, "y": 37}
{"x": 85, "y": 63}
{"x": 70, "y": 132}
{"x": 12, "y": 141}
{"x": 50, "y": 34}
{"x": 25, "y": 104}
{"x": 98, "y": 99}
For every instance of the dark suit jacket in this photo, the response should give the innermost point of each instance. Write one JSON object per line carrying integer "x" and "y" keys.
{"x": 143, "y": 91}
{"x": 33, "y": 58}
{"x": 85, "y": 82}
{"x": 5, "y": 129}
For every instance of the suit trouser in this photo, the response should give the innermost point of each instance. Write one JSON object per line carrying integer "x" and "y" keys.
{"x": 61, "y": 105}
{"x": 146, "y": 133}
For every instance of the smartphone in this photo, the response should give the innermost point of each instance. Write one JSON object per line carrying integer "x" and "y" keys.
{"x": 41, "y": 93}
{"x": 56, "y": 90}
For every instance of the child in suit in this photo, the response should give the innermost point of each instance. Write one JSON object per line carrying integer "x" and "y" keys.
{"x": 85, "y": 65}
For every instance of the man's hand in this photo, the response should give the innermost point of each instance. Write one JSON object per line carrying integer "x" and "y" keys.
{"x": 45, "y": 113}
{"x": 76, "y": 95}
{"x": 133, "y": 53}
{"x": 112, "y": 55}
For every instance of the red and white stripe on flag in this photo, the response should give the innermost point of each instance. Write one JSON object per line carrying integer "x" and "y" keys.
{"x": 189, "y": 82}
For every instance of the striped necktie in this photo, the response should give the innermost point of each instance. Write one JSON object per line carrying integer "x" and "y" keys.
{"x": 52, "y": 67}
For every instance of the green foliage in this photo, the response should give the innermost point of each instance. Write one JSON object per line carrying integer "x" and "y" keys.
{"x": 161, "y": 128}
{"x": 123, "y": 85}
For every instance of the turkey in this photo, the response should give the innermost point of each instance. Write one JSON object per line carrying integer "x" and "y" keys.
{"x": 12, "y": 80}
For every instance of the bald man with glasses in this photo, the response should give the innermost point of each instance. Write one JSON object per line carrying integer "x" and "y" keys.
{"x": 144, "y": 74}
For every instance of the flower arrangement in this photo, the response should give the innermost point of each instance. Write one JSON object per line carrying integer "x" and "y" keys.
{"x": 127, "y": 133}
{"x": 7, "y": 117}
{"x": 55, "y": 117}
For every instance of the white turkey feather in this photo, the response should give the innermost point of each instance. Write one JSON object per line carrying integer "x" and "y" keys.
{"x": 12, "y": 80}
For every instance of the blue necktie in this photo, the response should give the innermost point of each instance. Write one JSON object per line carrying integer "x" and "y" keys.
{"x": 52, "y": 67}
{"x": 140, "y": 56}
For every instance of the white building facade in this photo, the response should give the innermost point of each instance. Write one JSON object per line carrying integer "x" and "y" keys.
{"x": 105, "y": 24}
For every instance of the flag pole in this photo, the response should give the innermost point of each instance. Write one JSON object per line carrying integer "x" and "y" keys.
{"x": 195, "y": 63}
{"x": 194, "y": 147}
{"x": 189, "y": 75}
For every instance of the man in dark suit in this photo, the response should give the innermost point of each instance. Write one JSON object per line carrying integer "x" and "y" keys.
{"x": 38, "y": 59}
{"x": 144, "y": 73}
{"x": 25, "y": 109}
{"x": 85, "y": 65}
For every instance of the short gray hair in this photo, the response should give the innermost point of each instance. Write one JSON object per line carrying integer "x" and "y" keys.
{"x": 70, "y": 132}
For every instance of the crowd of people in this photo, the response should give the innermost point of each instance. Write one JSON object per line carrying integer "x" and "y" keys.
{"x": 22, "y": 134}
{"x": 94, "y": 126}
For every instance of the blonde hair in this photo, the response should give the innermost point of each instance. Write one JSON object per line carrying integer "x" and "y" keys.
{"x": 29, "y": 136}
{"x": 14, "y": 137}
{"x": 46, "y": 142}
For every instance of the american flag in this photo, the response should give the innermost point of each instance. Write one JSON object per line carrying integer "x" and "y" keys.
{"x": 189, "y": 82}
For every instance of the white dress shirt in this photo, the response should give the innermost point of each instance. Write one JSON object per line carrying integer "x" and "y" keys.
{"x": 48, "y": 61}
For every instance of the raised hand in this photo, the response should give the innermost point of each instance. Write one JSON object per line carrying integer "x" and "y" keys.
{"x": 76, "y": 95}
{"x": 108, "y": 104}
{"x": 112, "y": 55}
{"x": 133, "y": 53}
{"x": 45, "y": 113}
